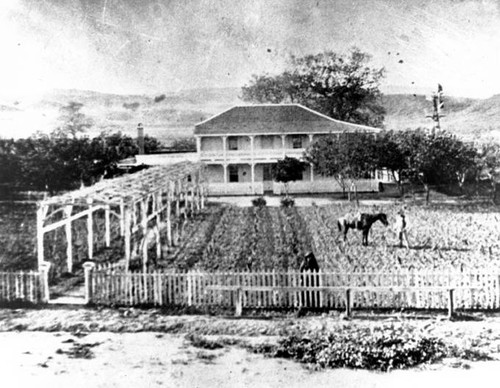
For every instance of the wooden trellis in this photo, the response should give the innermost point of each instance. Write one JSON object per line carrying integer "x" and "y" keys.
{"x": 144, "y": 202}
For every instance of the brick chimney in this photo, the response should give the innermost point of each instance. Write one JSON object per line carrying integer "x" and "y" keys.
{"x": 140, "y": 138}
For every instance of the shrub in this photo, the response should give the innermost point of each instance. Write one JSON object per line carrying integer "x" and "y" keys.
{"x": 259, "y": 202}
{"x": 287, "y": 202}
{"x": 361, "y": 349}
{"x": 203, "y": 343}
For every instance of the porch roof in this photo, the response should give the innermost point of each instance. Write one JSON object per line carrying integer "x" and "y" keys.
{"x": 274, "y": 119}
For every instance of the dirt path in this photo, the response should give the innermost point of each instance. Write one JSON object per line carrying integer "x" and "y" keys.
{"x": 64, "y": 347}
{"x": 164, "y": 360}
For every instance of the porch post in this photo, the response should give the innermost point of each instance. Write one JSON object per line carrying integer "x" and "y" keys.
{"x": 224, "y": 166}
{"x": 252, "y": 164}
{"x": 252, "y": 174}
{"x": 283, "y": 144}
{"x": 312, "y": 172}
{"x": 198, "y": 145}
{"x": 252, "y": 139}
{"x": 224, "y": 147}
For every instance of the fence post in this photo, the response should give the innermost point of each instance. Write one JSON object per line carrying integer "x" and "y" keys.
{"x": 88, "y": 267}
{"x": 239, "y": 302}
{"x": 498, "y": 293}
{"x": 189, "y": 278}
{"x": 348, "y": 302}
{"x": 450, "y": 303}
{"x": 44, "y": 281}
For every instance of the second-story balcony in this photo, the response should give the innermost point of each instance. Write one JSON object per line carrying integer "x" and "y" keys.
{"x": 252, "y": 148}
{"x": 247, "y": 156}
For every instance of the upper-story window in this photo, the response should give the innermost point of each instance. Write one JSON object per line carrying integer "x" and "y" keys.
{"x": 232, "y": 144}
{"x": 296, "y": 141}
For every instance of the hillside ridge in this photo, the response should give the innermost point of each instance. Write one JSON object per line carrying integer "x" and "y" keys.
{"x": 172, "y": 115}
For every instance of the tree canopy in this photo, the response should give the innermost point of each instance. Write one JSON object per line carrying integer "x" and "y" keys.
{"x": 343, "y": 87}
{"x": 344, "y": 157}
{"x": 288, "y": 170}
{"x": 420, "y": 157}
{"x": 436, "y": 158}
{"x": 74, "y": 122}
{"x": 51, "y": 163}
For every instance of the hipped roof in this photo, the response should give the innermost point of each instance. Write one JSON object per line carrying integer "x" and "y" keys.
{"x": 274, "y": 119}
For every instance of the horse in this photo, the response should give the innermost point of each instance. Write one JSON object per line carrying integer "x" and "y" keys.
{"x": 361, "y": 221}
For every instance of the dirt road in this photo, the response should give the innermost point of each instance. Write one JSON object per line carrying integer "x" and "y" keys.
{"x": 74, "y": 348}
{"x": 37, "y": 359}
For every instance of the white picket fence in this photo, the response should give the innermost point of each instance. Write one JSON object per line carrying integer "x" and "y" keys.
{"x": 20, "y": 286}
{"x": 273, "y": 289}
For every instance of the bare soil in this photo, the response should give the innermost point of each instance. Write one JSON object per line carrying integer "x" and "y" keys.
{"x": 60, "y": 347}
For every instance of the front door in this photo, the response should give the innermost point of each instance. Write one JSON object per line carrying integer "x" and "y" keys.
{"x": 267, "y": 177}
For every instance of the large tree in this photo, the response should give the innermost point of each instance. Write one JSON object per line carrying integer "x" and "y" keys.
{"x": 390, "y": 157}
{"x": 437, "y": 158}
{"x": 488, "y": 159}
{"x": 343, "y": 87}
{"x": 345, "y": 157}
{"x": 56, "y": 163}
{"x": 74, "y": 122}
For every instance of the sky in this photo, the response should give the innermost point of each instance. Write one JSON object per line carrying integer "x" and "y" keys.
{"x": 161, "y": 46}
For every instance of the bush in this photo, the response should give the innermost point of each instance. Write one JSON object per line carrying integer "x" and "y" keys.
{"x": 287, "y": 202}
{"x": 199, "y": 342}
{"x": 361, "y": 349}
{"x": 259, "y": 202}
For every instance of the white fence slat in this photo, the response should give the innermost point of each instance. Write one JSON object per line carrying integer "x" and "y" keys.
{"x": 289, "y": 289}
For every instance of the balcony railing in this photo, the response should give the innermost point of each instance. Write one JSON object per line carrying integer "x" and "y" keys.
{"x": 323, "y": 185}
{"x": 246, "y": 155}
{"x": 257, "y": 188}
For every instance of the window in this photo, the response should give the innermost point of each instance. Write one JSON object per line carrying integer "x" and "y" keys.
{"x": 233, "y": 174}
{"x": 296, "y": 141}
{"x": 232, "y": 144}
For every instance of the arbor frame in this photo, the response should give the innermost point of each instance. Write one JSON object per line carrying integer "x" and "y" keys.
{"x": 144, "y": 202}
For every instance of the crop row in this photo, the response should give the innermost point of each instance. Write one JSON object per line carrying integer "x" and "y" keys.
{"x": 440, "y": 238}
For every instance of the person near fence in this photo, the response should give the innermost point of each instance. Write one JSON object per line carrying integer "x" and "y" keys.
{"x": 308, "y": 279}
{"x": 402, "y": 229}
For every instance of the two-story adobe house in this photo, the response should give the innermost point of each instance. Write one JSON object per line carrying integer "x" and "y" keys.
{"x": 240, "y": 145}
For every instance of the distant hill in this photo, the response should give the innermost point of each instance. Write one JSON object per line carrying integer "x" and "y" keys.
{"x": 471, "y": 119}
{"x": 165, "y": 116}
{"x": 172, "y": 115}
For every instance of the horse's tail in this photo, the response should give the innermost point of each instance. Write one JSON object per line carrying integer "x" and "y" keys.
{"x": 339, "y": 224}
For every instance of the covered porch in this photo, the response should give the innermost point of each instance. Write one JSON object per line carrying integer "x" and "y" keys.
{"x": 256, "y": 179}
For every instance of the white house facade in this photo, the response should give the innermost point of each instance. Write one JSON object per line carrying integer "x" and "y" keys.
{"x": 240, "y": 146}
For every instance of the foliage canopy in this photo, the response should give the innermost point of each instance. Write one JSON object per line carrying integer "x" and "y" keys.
{"x": 343, "y": 87}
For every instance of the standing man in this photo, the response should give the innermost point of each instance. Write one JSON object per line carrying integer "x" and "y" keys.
{"x": 402, "y": 229}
